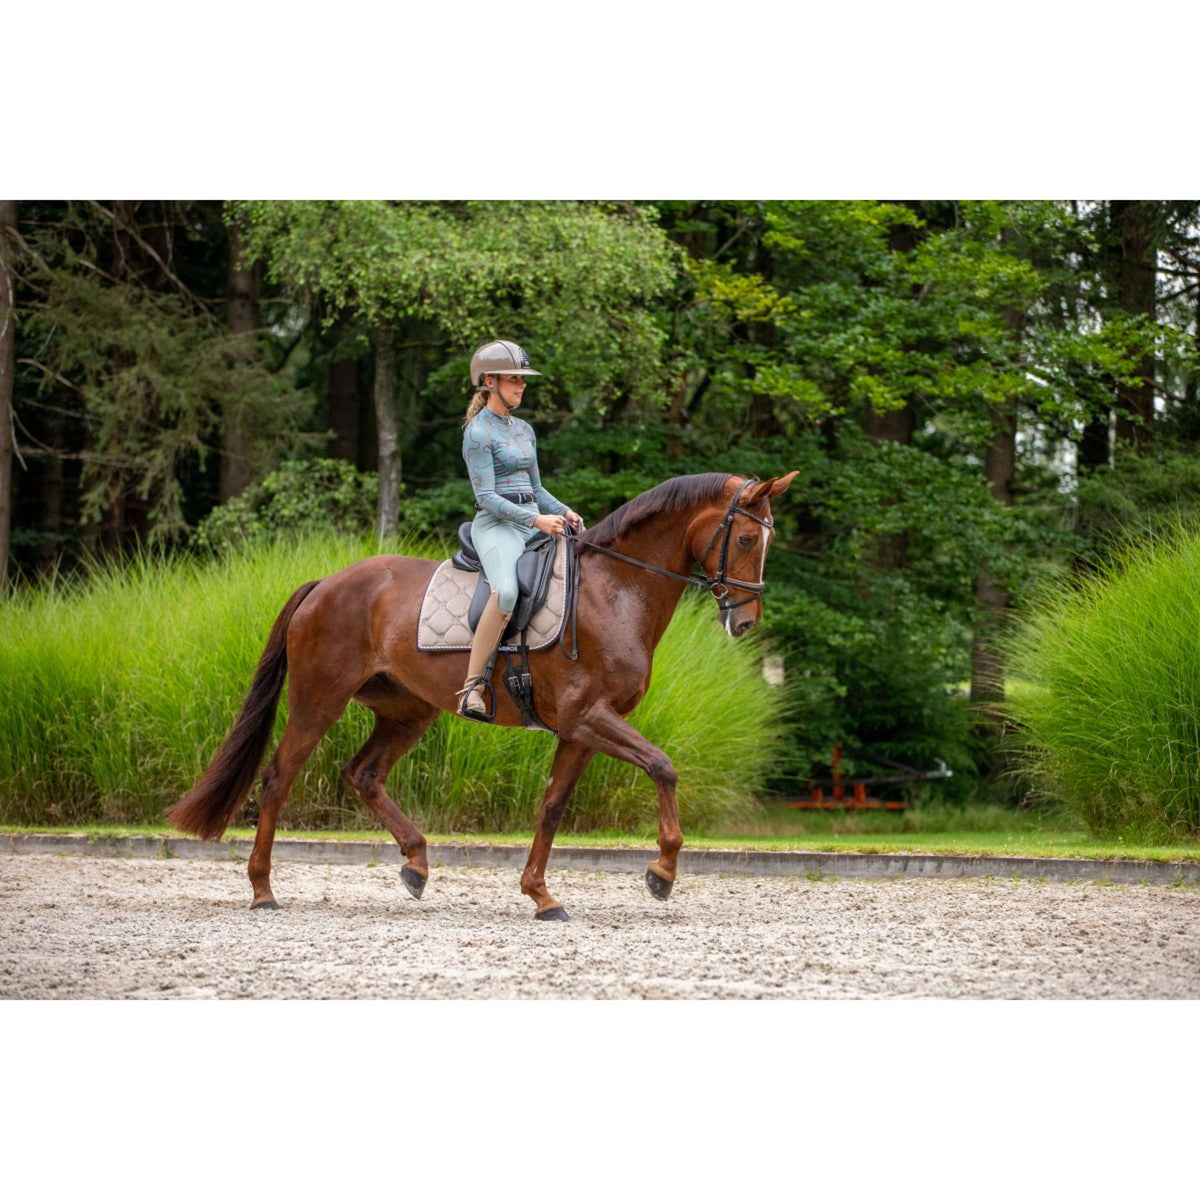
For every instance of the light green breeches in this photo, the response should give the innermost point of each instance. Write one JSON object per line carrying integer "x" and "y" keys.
{"x": 499, "y": 544}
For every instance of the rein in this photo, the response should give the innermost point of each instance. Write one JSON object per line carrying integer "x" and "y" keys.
{"x": 701, "y": 581}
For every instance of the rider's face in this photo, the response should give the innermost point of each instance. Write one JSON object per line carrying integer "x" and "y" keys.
{"x": 511, "y": 388}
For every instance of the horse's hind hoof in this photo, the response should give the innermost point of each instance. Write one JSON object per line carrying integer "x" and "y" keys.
{"x": 552, "y": 914}
{"x": 413, "y": 880}
{"x": 264, "y": 904}
{"x": 660, "y": 888}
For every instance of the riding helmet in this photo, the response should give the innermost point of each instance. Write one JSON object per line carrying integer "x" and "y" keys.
{"x": 499, "y": 358}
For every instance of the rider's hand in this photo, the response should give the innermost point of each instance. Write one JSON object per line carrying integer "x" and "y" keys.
{"x": 574, "y": 519}
{"x": 549, "y": 523}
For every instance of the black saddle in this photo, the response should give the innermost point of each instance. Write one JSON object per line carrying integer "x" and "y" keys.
{"x": 534, "y": 569}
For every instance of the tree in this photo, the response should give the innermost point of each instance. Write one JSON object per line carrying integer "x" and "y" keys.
{"x": 579, "y": 280}
{"x": 892, "y": 352}
{"x": 242, "y": 321}
{"x": 385, "y": 417}
{"x": 119, "y": 346}
{"x": 1135, "y": 237}
{"x": 8, "y": 342}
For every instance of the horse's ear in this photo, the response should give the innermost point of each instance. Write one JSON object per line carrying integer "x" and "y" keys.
{"x": 768, "y": 488}
{"x": 756, "y": 492}
{"x": 779, "y": 486}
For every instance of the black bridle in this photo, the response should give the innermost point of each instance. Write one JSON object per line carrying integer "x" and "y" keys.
{"x": 703, "y": 582}
{"x": 721, "y": 580}
{"x": 718, "y": 585}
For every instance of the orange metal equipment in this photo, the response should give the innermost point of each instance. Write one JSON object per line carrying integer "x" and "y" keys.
{"x": 859, "y": 798}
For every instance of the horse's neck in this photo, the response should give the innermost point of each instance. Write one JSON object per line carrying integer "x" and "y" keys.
{"x": 662, "y": 542}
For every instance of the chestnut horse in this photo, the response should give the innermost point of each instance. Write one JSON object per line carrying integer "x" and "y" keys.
{"x": 353, "y": 636}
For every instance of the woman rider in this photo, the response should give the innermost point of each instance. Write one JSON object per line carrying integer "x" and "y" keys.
{"x": 501, "y": 455}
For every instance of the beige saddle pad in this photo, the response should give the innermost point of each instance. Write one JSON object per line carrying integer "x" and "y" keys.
{"x": 443, "y": 623}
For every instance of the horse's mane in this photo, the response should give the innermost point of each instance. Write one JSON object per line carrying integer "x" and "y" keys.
{"x": 675, "y": 495}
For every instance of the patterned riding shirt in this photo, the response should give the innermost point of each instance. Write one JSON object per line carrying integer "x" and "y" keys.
{"x": 501, "y": 456}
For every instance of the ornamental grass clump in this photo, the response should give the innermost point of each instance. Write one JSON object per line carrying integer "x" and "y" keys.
{"x": 117, "y": 691}
{"x": 1109, "y": 703}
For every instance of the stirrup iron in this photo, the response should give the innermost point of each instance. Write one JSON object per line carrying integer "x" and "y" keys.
{"x": 488, "y": 713}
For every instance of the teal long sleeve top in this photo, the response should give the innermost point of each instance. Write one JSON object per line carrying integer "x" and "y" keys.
{"x": 501, "y": 456}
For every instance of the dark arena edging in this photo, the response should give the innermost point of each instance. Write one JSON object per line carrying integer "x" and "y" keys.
{"x": 599, "y": 858}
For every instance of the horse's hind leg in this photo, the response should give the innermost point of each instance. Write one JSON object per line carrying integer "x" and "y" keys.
{"x": 396, "y": 732}
{"x": 305, "y": 728}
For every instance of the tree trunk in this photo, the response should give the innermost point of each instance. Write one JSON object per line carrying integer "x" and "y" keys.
{"x": 1093, "y": 450}
{"x": 343, "y": 408}
{"x": 8, "y": 342}
{"x": 1134, "y": 225}
{"x": 51, "y": 483}
{"x": 762, "y": 422}
{"x": 124, "y": 266}
{"x": 1191, "y": 394}
{"x": 898, "y": 424}
{"x": 992, "y": 600}
{"x": 242, "y": 318}
{"x": 895, "y": 425}
{"x": 385, "y": 419}
{"x": 108, "y": 533}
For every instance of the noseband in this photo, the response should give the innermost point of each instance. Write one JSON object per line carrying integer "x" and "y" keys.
{"x": 719, "y": 584}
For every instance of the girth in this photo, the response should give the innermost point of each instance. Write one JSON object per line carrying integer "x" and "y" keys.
{"x": 534, "y": 570}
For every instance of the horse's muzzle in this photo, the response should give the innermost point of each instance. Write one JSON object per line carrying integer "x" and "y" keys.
{"x": 739, "y": 625}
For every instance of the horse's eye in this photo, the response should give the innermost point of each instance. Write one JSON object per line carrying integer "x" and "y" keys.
{"x": 745, "y": 540}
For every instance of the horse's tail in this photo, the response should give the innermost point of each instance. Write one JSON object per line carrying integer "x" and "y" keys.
{"x": 209, "y": 807}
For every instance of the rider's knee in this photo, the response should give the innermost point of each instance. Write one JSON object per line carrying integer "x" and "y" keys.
{"x": 507, "y": 597}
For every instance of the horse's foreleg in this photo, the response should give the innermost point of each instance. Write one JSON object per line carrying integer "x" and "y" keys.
{"x": 570, "y": 759}
{"x": 606, "y": 730}
{"x": 367, "y": 773}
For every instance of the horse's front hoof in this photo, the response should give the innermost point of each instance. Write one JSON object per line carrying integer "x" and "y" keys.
{"x": 552, "y": 914}
{"x": 259, "y": 905}
{"x": 413, "y": 880}
{"x": 660, "y": 888}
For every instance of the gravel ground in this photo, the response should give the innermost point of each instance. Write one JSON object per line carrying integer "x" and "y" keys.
{"x": 73, "y": 927}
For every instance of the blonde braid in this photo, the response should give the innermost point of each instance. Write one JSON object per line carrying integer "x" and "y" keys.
{"x": 473, "y": 409}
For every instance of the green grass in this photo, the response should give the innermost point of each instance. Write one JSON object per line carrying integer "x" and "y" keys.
{"x": 1108, "y": 707}
{"x": 118, "y": 690}
{"x": 973, "y": 830}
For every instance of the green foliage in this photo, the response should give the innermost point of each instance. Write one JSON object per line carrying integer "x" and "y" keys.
{"x": 320, "y": 494}
{"x": 578, "y": 281}
{"x": 879, "y": 646}
{"x": 868, "y": 307}
{"x": 873, "y": 670}
{"x": 1139, "y": 496}
{"x": 153, "y": 374}
{"x": 679, "y": 337}
{"x": 119, "y": 691}
{"x": 1108, "y": 702}
{"x": 437, "y": 511}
